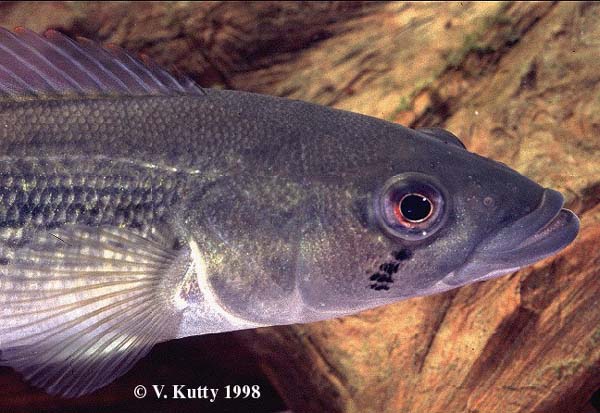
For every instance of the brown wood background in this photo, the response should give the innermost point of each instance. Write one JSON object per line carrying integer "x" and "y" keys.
{"x": 518, "y": 82}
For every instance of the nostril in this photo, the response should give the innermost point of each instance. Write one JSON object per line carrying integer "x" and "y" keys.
{"x": 488, "y": 201}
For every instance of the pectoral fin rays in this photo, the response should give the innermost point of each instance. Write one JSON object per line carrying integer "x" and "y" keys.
{"x": 79, "y": 306}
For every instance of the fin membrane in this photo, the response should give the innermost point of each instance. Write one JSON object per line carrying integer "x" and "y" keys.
{"x": 80, "y": 305}
{"x": 53, "y": 65}
{"x": 443, "y": 135}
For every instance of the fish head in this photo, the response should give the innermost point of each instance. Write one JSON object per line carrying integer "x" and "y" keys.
{"x": 425, "y": 218}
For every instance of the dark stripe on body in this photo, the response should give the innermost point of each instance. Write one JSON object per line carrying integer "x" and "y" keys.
{"x": 40, "y": 193}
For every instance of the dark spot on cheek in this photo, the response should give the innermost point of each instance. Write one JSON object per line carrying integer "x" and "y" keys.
{"x": 403, "y": 255}
{"x": 380, "y": 287}
{"x": 3, "y": 261}
{"x": 383, "y": 279}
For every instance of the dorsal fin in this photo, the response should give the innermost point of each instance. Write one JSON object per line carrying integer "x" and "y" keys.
{"x": 443, "y": 135}
{"x": 53, "y": 65}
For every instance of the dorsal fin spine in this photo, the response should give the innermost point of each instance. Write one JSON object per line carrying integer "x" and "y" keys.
{"x": 26, "y": 62}
{"x": 14, "y": 77}
{"x": 52, "y": 65}
{"x": 141, "y": 67}
{"x": 46, "y": 62}
{"x": 54, "y": 33}
{"x": 138, "y": 79}
{"x": 83, "y": 43}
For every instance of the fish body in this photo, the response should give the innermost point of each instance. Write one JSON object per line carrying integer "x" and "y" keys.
{"x": 136, "y": 208}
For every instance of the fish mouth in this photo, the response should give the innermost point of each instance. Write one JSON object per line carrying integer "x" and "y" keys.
{"x": 539, "y": 234}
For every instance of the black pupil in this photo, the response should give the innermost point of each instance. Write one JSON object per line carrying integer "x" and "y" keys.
{"x": 415, "y": 207}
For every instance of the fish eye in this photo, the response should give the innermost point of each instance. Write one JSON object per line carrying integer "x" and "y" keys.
{"x": 411, "y": 206}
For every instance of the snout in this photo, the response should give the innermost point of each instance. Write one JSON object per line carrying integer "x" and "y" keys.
{"x": 534, "y": 227}
{"x": 543, "y": 232}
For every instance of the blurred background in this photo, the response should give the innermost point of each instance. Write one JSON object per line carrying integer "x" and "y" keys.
{"x": 517, "y": 82}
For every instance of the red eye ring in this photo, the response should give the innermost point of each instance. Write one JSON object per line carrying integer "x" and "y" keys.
{"x": 416, "y": 204}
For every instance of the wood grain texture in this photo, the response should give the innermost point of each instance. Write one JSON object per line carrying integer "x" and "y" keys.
{"x": 518, "y": 82}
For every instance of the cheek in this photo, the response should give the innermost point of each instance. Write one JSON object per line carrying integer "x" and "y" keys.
{"x": 334, "y": 272}
{"x": 471, "y": 222}
{"x": 450, "y": 251}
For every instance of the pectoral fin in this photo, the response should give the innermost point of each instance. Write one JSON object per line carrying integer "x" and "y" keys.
{"x": 80, "y": 305}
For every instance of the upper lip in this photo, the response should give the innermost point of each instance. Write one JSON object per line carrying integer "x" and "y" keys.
{"x": 539, "y": 234}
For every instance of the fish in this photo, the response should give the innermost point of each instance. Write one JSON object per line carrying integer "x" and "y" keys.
{"x": 137, "y": 207}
